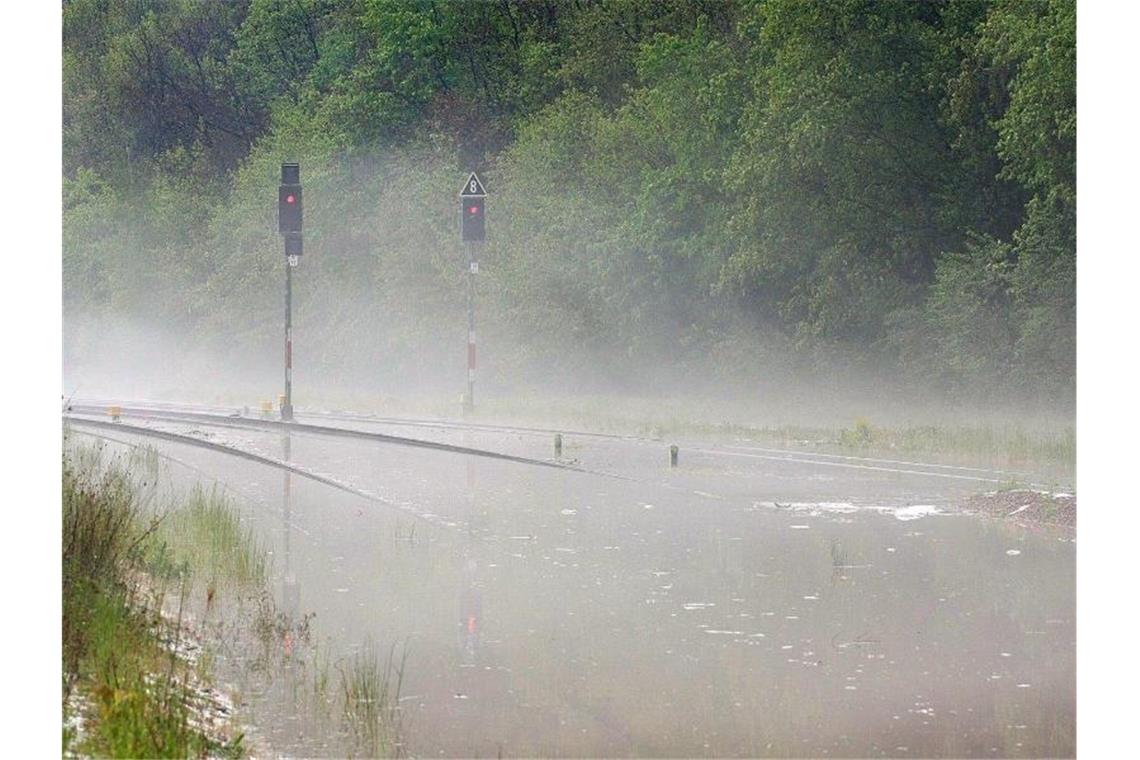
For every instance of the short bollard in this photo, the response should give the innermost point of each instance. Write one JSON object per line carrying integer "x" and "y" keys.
{"x": 558, "y": 445}
{"x": 266, "y": 408}
{"x": 115, "y": 412}
{"x": 673, "y": 455}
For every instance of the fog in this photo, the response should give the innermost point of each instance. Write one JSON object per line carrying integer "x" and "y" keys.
{"x": 368, "y": 368}
{"x": 771, "y": 447}
{"x": 168, "y": 307}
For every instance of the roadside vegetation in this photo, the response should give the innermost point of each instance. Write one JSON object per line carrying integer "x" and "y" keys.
{"x": 129, "y": 688}
{"x": 154, "y": 590}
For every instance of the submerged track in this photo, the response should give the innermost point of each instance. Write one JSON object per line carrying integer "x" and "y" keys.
{"x": 79, "y": 412}
{"x": 227, "y": 417}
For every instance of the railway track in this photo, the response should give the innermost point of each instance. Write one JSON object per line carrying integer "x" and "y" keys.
{"x": 237, "y": 418}
{"x": 100, "y": 429}
{"x": 87, "y": 413}
{"x": 101, "y": 405}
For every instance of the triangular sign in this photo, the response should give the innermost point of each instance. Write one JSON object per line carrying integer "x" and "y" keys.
{"x": 472, "y": 188}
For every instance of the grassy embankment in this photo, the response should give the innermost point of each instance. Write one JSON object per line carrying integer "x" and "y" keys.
{"x": 1047, "y": 445}
{"x": 130, "y": 688}
{"x": 128, "y": 692}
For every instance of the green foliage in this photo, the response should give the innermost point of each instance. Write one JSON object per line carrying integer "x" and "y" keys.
{"x": 102, "y": 523}
{"x": 845, "y": 167}
{"x": 370, "y": 695}
{"x": 893, "y": 179}
{"x": 205, "y": 537}
{"x": 134, "y": 691}
{"x": 965, "y": 333}
{"x": 862, "y": 434}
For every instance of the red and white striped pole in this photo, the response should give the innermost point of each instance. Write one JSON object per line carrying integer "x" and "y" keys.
{"x": 471, "y": 365}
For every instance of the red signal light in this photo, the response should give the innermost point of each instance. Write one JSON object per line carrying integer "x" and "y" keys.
{"x": 473, "y": 213}
{"x": 290, "y": 199}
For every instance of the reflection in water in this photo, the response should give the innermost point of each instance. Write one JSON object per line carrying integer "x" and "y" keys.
{"x": 290, "y": 590}
{"x": 470, "y": 591}
{"x": 470, "y": 613}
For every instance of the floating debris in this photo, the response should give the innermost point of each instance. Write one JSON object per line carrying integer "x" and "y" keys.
{"x": 915, "y": 512}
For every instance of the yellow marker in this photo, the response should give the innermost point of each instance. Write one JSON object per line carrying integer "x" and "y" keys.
{"x": 266, "y": 407}
{"x": 280, "y": 400}
{"x": 115, "y": 413}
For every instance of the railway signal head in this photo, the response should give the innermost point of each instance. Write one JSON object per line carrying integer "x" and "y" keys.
{"x": 471, "y": 199}
{"x": 474, "y": 227}
{"x": 289, "y": 200}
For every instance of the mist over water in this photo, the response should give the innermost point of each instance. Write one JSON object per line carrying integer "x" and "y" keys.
{"x": 109, "y": 357}
{"x": 814, "y": 262}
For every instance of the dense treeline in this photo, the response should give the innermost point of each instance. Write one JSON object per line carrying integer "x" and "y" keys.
{"x": 720, "y": 182}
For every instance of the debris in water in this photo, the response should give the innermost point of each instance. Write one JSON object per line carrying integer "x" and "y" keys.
{"x": 915, "y": 512}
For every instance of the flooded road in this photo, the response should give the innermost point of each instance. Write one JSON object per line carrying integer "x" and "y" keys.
{"x": 735, "y": 606}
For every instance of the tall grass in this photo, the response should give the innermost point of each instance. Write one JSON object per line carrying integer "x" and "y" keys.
{"x": 1011, "y": 443}
{"x": 205, "y": 537}
{"x": 370, "y": 694}
{"x": 138, "y": 690}
{"x": 103, "y": 528}
{"x": 1030, "y": 443}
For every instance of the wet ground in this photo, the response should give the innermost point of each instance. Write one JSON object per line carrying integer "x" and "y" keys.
{"x": 745, "y": 603}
